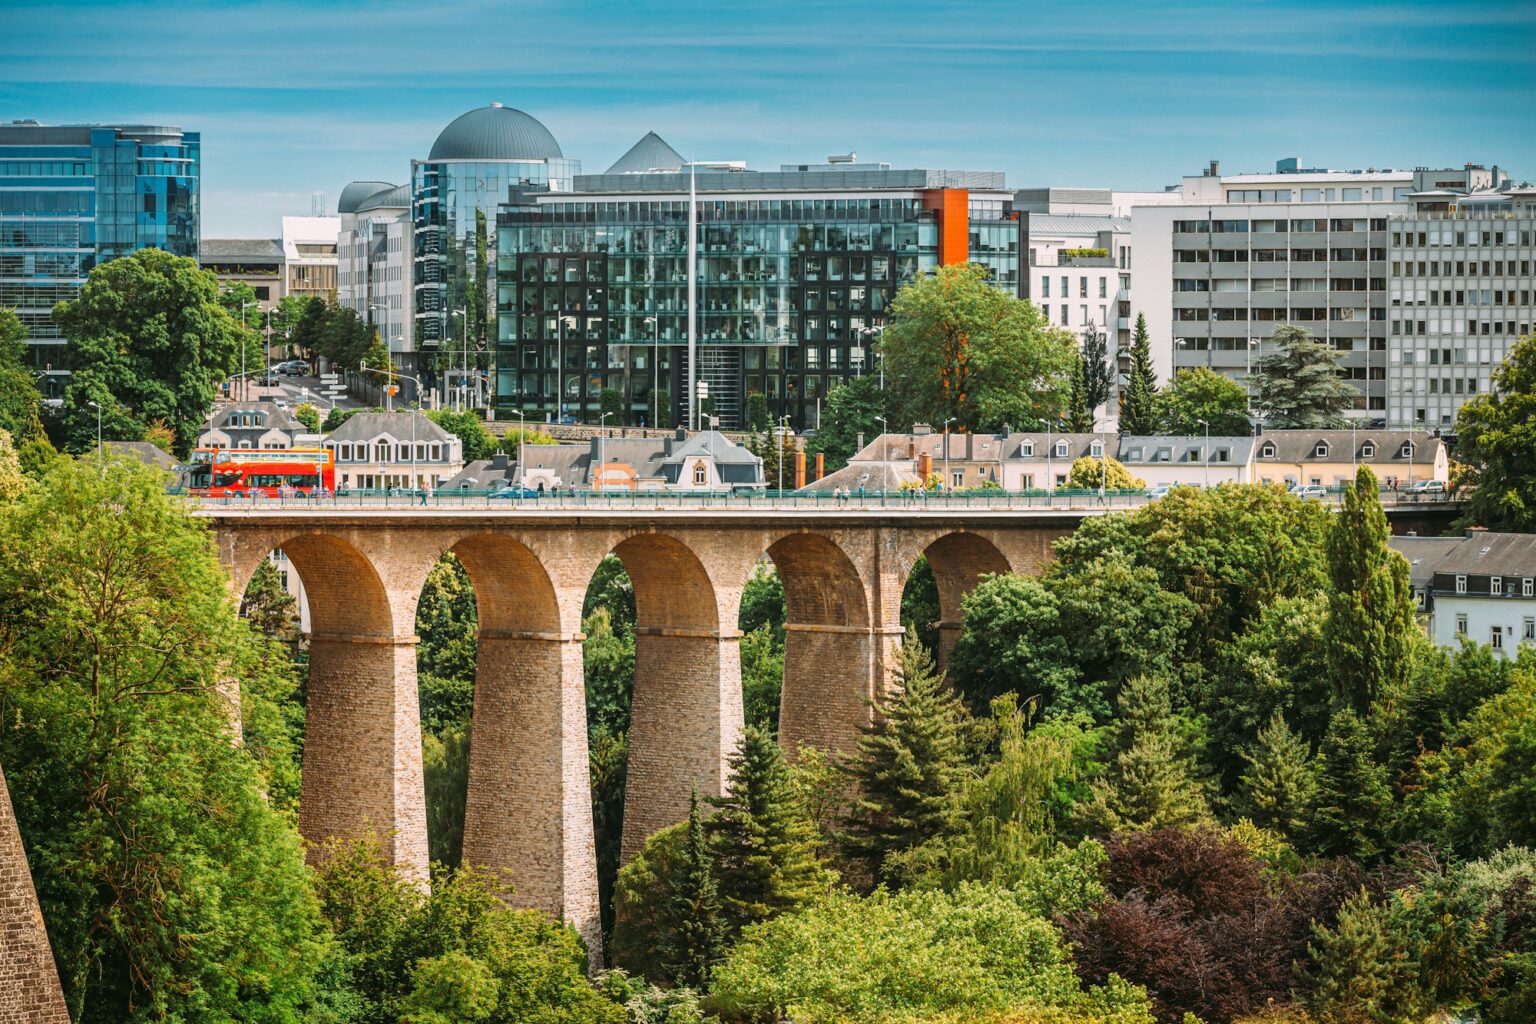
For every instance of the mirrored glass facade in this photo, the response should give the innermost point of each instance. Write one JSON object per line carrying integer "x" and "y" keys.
{"x": 75, "y": 196}
{"x": 791, "y": 290}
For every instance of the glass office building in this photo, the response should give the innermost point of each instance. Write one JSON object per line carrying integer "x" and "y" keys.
{"x": 74, "y": 196}
{"x": 480, "y": 160}
{"x": 796, "y": 271}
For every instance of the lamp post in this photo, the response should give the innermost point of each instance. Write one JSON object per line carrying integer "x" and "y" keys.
{"x": 946, "y": 454}
{"x": 877, "y": 333}
{"x": 602, "y": 423}
{"x": 100, "y": 467}
{"x": 245, "y": 383}
{"x": 269, "y": 312}
{"x": 522, "y": 442}
{"x": 458, "y": 394}
{"x": 1206, "y": 452}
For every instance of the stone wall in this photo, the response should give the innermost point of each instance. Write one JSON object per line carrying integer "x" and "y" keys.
{"x": 29, "y": 983}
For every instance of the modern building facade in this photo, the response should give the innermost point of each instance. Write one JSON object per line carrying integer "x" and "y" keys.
{"x": 375, "y": 274}
{"x": 794, "y": 272}
{"x": 1245, "y": 254}
{"x": 75, "y": 196}
{"x": 309, "y": 256}
{"x": 1461, "y": 291}
{"x": 257, "y": 262}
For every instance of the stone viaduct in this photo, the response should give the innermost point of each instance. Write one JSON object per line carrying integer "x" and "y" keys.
{"x": 528, "y": 813}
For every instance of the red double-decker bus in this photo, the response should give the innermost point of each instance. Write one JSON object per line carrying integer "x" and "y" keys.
{"x": 274, "y": 472}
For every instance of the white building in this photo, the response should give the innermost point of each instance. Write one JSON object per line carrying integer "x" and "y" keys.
{"x": 381, "y": 450}
{"x": 374, "y": 280}
{"x": 309, "y": 255}
{"x": 1481, "y": 587}
{"x": 1195, "y": 461}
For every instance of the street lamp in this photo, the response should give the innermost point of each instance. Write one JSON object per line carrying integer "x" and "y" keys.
{"x": 522, "y": 443}
{"x": 1206, "y": 452}
{"x": 947, "y": 422}
{"x": 458, "y": 393}
{"x": 602, "y": 422}
{"x": 245, "y": 383}
{"x": 877, "y": 333}
{"x": 100, "y": 467}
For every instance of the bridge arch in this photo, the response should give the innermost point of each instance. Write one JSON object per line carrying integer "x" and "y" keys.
{"x": 958, "y": 560}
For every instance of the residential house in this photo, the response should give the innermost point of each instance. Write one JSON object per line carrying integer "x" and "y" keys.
{"x": 1198, "y": 461}
{"x": 251, "y": 425}
{"x": 1480, "y": 586}
{"x": 704, "y": 461}
{"x": 380, "y": 450}
{"x": 1331, "y": 457}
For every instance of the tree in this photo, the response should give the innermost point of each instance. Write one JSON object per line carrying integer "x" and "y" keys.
{"x": 762, "y": 678}
{"x": 445, "y": 781}
{"x": 778, "y": 449}
{"x": 12, "y": 480}
{"x": 1088, "y": 473}
{"x": 1362, "y": 973}
{"x": 308, "y": 415}
{"x": 20, "y": 401}
{"x": 308, "y": 327}
{"x": 1150, "y": 780}
{"x": 763, "y": 843}
{"x": 1199, "y": 394}
{"x": 269, "y": 607}
{"x": 1354, "y": 801}
{"x": 611, "y": 400}
{"x": 853, "y": 410}
{"x": 513, "y": 440}
{"x": 608, "y": 657}
{"x": 1138, "y": 405}
{"x": 1496, "y": 445}
{"x": 148, "y": 340}
{"x": 244, "y": 308}
{"x": 958, "y": 347}
{"x": 469, "y": 429}
{"x": 757, "y": 412}
{"x": 661, "y": 408}
{"x": 1097, "y": 377}
{"x": 1280, "y": 785}
{"x": 172, "y": 888}
{"x": 909, "y": 766}
{"x": 696, "y": 940}
{"x": 447, "y": 622}
{"x": 343, "y": 337}
{"x": 1079, "y": 417}
{"x": 1300, "y": 387}
{"x": 1371, "y": 626}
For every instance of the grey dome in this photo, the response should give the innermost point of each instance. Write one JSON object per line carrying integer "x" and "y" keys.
{"x": 649, "y": 154}
{"x": 495, "y": 133}
{"x": 355, "y": 192}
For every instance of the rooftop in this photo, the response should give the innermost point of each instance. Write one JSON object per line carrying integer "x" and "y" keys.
{"x": 495, "y": 133}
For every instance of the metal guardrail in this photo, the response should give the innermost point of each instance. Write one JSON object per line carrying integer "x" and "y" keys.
{"x": 982, "y": 500}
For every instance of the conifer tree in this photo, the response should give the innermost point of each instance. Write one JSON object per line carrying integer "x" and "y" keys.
{"x": 1138, "y": 405}
{"x": 1353, "y": 798}
{"x": 909, "y": 766}
{"x": 1361, "y": 970}
{"x": 763, "y": 842}
{"x": 1280, "y": 784}
{"x": 1299, "y": 387}
{"x": 269, "y": 607}
{"x": 696, "y": 940}
{"x": 1149, "y": 782}
{"x": 1370, "y": 626}
{"x": 1079, "y": 414}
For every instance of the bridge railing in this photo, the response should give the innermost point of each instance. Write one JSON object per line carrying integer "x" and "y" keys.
{"x": 978, "y": 499}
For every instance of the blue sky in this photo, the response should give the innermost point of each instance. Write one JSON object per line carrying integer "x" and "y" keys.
{"x": 293, "y": 98}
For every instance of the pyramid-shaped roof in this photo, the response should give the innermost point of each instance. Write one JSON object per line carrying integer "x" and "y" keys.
{"x": 649, "y": 154}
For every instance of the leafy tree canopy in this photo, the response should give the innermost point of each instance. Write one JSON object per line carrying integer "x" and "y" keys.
{"x": 852, "y": 409}
{"x": 1201, "y": 394}
{"x": 1138, "y": 403}
{"x": 1300, "y": 387}
{"x": 1088, "y": 473}
{"x": 1496, "y": 445}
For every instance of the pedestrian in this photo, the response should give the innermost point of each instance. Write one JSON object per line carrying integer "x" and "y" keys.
{"x": 426, "y": 492}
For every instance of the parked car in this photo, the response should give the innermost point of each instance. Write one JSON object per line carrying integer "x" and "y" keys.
{"x": 294, "y": 368}
{"x": 267, "y": 379}
{"x": 1433, "y": 488}
{"x": 514, "y": 491}
{"x": 1317, "y": 491}
{"x": 1158, "y": 491}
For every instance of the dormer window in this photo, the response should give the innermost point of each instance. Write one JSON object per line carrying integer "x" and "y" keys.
{"x": 1268, "y": 451}
{"x": 700, "y": 474}
{"x": 1223, "y": 455}
{"x": 1321, "y": 451}
{"x": 1407, "y": 450}
{"x": 1496, "y": 586}
{"x": 1097, "y": 449}
{"x": 1027, "y": 450}
{"x": 1163, "y": 455}
{"x": 1061, "y": 449}
{"x": 1368, "y": 450}
{"x": 1133, "y": 455}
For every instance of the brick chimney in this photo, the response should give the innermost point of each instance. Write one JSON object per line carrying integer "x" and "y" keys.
{"x": 924, "y": 468}
{"x": 821, "y": 465}
{"x": 799, "y": 469}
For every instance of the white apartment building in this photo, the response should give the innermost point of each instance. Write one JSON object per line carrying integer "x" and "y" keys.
{"x": 1461, "y": 291}
{"x": 1479, "y": 587}
{"x": 375, "y": 265}
{"x": 309, "y": 256}
{"x": 1244, "y": 254}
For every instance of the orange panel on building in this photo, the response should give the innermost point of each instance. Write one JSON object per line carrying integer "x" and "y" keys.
{"x": 954, "y": 206}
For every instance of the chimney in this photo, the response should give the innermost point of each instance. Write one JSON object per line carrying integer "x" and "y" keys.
{"x": 1215, "y": 169}
{"x": 500, "y": 461}
{"x": 924, "y": 468}
{"x": 799, "y": 469}
{"x": 970, "y": 447}
{"x": 821, "y": 465}
{"x": 682, "y": 433}
{"x": 858, "y": 445}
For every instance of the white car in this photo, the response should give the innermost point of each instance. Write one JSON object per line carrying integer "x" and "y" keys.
{"x": 1158, "y": 491}
{"x": 1317, "y": 491}
{"x": 1436, "y": 487}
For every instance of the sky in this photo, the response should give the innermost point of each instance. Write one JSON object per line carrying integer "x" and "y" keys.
{"x": 294, "y": 98}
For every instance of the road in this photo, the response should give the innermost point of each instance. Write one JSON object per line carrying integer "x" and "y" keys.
{"x": 297, "y": 390}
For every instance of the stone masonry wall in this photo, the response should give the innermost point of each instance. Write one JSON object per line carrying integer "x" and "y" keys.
{"x": 29, "y": 983}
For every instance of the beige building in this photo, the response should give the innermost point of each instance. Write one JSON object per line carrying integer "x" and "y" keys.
{"x": 309, "y": 256}
{"x": 1331, "y": 457}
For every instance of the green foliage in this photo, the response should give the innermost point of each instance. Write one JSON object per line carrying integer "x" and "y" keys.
{"x": 908, "y": 768}
{"x": 20, "y": 401}
{"x": 641, "y": 926}
{"x": 172, "y": 888}
{"x": 430, "y": 957}
{"x": 1199, "y": 394}
{"x": 468, "y": 428}
{"x": 912, "y": 956}
{"x": 611, "y": 400}
{"x": 269, "y": 607}
{"x": 1150, "y": 779}
{"x": 956, "y": 346}
{"x": 308, "y": 415}
{"x": 696, "y": 932}
{"x": 757, "y": 412}
{"x": 661, "y": 408}
{"x": 1353, "y": 799}
{"x": 1300, "y": 387}
{"x": 609, "y": 660}
{"x": 1279, "y": 785}
{"x": 762, "y": 602}
{"x": 764, "y": 844}
{"x": 852, "y": 409}
{"x": 448, "y": 624}
{"x": 513, "y": 440}
{"x": 1496, "y": 445}
{"x": 12, "y": 480}
{"x": 612, "y": 589}
{"x": 1138, "y": 403}
{"x": 148, "y": 340}
{"x": 1089, "y": 473}
{"x": 445, "y": 777}
{"x": 1371, "y": 629}
{"x": 762, "y": 678}
{"x": 1097, "y": 376}
{"x": 608, "y": 768}
{"x": 1079, "y": 416}
{"x": 920, "y": 604}
{"x": 1362, "y": 975}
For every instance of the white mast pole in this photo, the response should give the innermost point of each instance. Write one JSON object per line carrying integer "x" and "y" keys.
{"x": 693, "y": 298}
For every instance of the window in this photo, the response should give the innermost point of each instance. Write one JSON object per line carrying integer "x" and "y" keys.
{"x": 1496, "y": 586}
{"x": 1321, "y": 451}
{"x": 1496, "y": 637}
{"x": 1461, "y": 584}
{"x": 1061, "y": 449}
{"x": 1096, "y": 449}
{"x": 1418, "y": 596}
{"x": 957, "y": 478}
{"x": 1528, "y": 587}
{"x": 1027, "y": 449}
{"x": 1368, "y": 450}
{"x": 1529, "y": 629}
{"x": 1407, "y": 450}
{"x": 1268, "y": 451}
{"x": 1461, "y": 625}
{"x": 700, "y": 474}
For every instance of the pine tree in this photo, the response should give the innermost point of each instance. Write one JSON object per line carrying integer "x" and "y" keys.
{"x": 1353, "y": 798}
{"x": 1079, "y": 413}
{"x": 269, "y": 607}
{"x": 1280, "y": 784}
{"x": 1360, "y": 969}
{"x": 764, "y": 844}
{"x": 909, "y": 766}
{"x": 1299, "y": 387}
{"x": 696, "y": 939}
{"x": 1149, "y": 782}
{"x": 1138, "y": 405}
{"x": 1370, "y": 626}
{"x": 1097, "y": 377}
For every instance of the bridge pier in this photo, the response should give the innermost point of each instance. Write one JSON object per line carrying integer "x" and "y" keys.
{"x": 685, "y": 723}
{"x": 528, "y": 814}
{"x": 832, "y": 674}
{"x": 362, "y": 748}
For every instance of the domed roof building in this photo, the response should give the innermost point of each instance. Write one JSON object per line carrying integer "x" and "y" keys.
{"x": 495, "y": 133}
